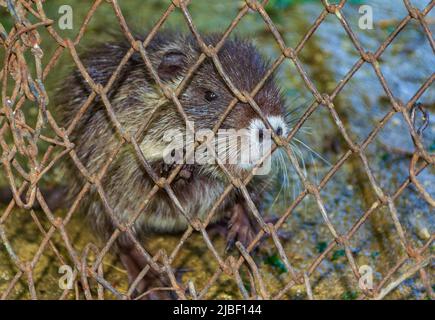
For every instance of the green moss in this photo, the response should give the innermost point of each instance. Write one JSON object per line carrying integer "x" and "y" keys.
{"x": 338, "y": 254}
{"x": 349, "y": 295}
{"x": 276, "y": 262}
{"x": 321, "y": 246}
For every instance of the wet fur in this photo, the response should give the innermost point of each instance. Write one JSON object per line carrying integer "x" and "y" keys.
{"x": 133, "y": 96}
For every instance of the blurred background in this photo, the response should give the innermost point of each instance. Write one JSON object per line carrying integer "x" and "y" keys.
{"x": 327, "y": 57}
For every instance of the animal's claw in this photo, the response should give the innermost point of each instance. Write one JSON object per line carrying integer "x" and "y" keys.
{"x": 240, "y": 228}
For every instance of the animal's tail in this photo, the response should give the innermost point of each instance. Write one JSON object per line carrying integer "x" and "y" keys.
{"x": 54, "y": 197}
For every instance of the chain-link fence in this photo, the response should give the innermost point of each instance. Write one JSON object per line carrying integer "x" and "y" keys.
{"x": 23, "y": 88}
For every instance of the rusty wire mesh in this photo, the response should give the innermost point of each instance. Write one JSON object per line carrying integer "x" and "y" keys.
{"x": 29, "y": 86}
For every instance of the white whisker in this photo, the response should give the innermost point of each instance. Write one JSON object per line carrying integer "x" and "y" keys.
{"x": 314, "y": 152}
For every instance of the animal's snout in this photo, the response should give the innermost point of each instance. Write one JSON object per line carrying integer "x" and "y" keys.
{"x": 277, "y": 123}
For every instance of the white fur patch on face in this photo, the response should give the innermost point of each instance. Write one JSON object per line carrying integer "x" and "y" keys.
{"x": 260, "y": 139}
{"x": 253, "y": 148}
{"x": 276, "y": 122}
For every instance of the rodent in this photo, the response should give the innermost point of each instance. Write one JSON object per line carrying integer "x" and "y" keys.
{"x": 133, "y": 95}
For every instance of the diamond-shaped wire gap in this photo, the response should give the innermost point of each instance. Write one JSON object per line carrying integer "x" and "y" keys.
{"x": 376, "y": 243}
{"x": 413, "y": 211}
{"x": 403, "y": 78}
{"x": 287, "y": 51}
{"x": 335, "y": 272}
{"x": 387, "y": 174}
{"x": 420, "y": 15}
{"x": 306, "y": 141}
{"x": 361, "y": 104}
{"x": 346, "y": 194}
{"x": 296, "y": 23}
{"x": 302, "y": 236}
{"x": 222, "y": 286}
{"x": 194, "y": 260}
{"x": 385, "y": 18}
{"x": 112, "y": 272}
{"x": 340, "y": 212}
{"x": 392, "y": 280}
{"x": 384, "y": 287}
{"x": 390, "y": 153}
{"x": 375, "y": 207}
{"x": 324, "y": 63}
{"x": 411, "y": 287}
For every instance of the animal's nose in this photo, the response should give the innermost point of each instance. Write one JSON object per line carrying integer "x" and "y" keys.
{"x": 279, "y": 131}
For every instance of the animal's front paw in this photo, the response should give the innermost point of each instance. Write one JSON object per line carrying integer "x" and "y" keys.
{"x": 240, "y": 227}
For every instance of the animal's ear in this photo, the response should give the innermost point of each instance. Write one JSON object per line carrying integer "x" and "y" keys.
{"x": 171, "y": 65}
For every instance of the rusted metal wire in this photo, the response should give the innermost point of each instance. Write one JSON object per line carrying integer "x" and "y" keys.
{"x": 27, "y": 86}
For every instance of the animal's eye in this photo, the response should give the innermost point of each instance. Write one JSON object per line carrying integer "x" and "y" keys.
{"x": 210, "y": 95}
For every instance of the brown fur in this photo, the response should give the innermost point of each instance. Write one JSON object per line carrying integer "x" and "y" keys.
{"x": 132, "y": 97}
